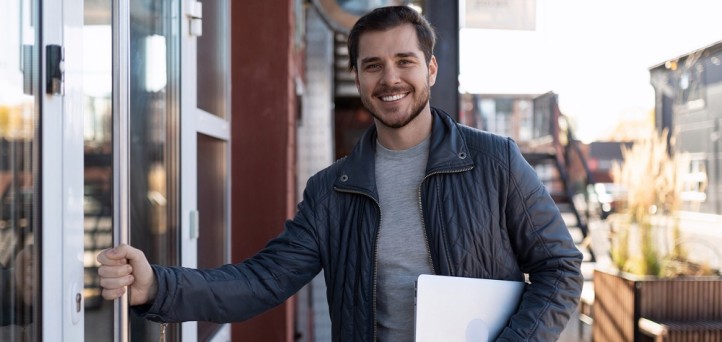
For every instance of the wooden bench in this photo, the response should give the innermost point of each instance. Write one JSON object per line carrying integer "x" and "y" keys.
{"x": 681, "y": 330}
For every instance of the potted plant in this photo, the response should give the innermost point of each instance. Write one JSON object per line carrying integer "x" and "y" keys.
{"x": 652, "y": 275}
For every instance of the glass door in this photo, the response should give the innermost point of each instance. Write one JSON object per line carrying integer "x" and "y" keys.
{"x": 98, "y": 161}
{"x": 19, "y": 174}
{"x": 72, "y": 74}
{"x": 41, "y": 292}
{"x": 131, "y": 149}
{"x": 153, "y": 124}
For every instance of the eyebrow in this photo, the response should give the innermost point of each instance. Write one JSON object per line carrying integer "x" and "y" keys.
{"x": 407, "y": 54}
{"x": 398, "y": 55}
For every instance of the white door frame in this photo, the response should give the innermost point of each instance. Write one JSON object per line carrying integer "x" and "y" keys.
{"x": 194, "y": 121}
{"x": 61, "y": 173}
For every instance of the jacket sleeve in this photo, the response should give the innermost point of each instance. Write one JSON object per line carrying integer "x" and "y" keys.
{"x": 233, "y": 293}
{"x": 545, "y": 251}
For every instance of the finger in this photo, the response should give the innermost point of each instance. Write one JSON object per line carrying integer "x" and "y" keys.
{"x": 124, "y": 251}
{"x": 105, "y": 257}
{"x": 111, "y": 294}
{"x": 115, "y": 271}
{"x": 116, "y": 283}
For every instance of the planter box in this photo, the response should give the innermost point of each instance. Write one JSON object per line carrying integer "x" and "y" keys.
{"x": 621, "y": 299}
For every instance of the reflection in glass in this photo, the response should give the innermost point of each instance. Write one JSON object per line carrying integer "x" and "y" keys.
{"x": 154, "y": 141}
{"x": 97, "y": 133}
{"x": 19, "y": 290}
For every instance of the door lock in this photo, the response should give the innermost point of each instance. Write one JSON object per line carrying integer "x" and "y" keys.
{"x": 78, "y": 302}
{"x": 75, "y": 303}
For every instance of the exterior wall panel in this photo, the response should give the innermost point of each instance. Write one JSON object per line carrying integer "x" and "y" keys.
{"x": 263, "y": 145}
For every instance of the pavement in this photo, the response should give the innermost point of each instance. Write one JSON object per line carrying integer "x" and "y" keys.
{"x": 576, "y": 330}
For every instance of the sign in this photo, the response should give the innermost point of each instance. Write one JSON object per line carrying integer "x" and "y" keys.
{"x": 500, "y": 14}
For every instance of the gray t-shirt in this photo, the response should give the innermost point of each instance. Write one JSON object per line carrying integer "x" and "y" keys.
{"x": 402, "y": 251}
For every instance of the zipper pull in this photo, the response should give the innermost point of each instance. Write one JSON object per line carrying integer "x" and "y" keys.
{"x": 163, "y": 326}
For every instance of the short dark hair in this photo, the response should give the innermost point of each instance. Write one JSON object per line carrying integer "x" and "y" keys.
{"x": 385, "y": 18}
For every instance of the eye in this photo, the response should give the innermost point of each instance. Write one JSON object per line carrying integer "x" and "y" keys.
{"x": 372, "y": 67}
{"x": 406, "y": 62}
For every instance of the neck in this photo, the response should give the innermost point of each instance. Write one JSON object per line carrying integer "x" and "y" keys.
{"x": 408, "y": 136}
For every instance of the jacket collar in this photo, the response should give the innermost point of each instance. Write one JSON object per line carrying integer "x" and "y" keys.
{"x": 447, "y": 152}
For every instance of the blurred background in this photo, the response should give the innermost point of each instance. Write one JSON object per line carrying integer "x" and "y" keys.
{"x": 232, "y": 106}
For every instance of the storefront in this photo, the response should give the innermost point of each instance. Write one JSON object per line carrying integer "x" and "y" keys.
{"x": 107, "y": 111}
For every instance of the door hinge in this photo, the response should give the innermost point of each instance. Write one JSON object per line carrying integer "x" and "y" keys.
{"x": 194, "y": 230}
{"x": 194, "y": 12}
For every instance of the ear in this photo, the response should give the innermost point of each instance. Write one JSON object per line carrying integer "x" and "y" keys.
{"x": 433, "y": 69}
{"x": 355, "y": 76}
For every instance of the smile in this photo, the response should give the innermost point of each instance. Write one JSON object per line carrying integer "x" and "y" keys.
{"x": 393, "y": 97}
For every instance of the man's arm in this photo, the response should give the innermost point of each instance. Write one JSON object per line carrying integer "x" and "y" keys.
{"x": 229, "y": 293}
{"x": 236, "y": 292}
{"x": 545, "y": 250}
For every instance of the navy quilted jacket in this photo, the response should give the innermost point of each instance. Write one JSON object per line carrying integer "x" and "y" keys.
{"x": 485, "y": 214}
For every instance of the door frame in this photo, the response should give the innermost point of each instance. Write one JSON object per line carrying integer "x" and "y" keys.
{"x": 61, "y": 175}
{"x": 196, "y": 121}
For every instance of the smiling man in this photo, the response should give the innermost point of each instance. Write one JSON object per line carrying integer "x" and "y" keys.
{"x": 394, "y": 80}
{"x": 419, "y": 194}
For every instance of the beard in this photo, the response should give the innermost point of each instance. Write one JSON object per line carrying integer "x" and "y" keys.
{"x": 400, "y": 119}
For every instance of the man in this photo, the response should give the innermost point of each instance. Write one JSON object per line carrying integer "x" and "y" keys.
{"x": 418, "y": 194}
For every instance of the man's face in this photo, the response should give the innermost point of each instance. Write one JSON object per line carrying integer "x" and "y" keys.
{"x": 392, "y": 76}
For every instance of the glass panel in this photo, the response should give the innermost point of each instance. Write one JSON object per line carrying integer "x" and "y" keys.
{"x": 154, "y": 141}
{"x": 213, "y": 211}
{"x": 212, "y": 63}
{"x": 98, "y": 145}
{"x": 19, "y": 196}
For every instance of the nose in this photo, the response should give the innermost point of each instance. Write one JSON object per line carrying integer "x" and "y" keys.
{"x": 390, "y": 76}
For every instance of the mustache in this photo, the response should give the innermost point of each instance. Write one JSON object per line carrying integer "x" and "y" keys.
{"x": 387, "y": 91}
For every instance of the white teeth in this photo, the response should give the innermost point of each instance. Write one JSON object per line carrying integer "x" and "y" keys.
{"x": 393, "y": 97}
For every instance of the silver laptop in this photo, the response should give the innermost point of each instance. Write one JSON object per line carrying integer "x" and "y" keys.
{"x": 457, "y": 309}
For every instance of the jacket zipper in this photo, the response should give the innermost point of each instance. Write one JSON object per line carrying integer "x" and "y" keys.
{"x": 376, "y": 238}
{"x": 423, "y": 223}
{"x": 375, "y": 243}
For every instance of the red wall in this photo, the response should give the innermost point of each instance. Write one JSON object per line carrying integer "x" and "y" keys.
{"x": 263, "y": 147}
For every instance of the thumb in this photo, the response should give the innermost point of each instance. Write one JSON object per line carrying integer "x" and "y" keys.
{"x": 122, "y": 252}
{"x": 116, "y": 252}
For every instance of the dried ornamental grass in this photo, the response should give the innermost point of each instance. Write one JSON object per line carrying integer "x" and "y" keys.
{"x": 642, "y": 243}
{"x": 651, "y": 176}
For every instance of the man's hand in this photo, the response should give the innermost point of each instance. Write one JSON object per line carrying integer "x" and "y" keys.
{"x": 123, "y": 266}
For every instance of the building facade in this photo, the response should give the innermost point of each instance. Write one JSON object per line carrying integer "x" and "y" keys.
{"x": 688, "y": 92}
{"x": 184, "y": 128}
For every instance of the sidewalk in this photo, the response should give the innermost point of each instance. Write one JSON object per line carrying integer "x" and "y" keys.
{"x": 576, "y": 331}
